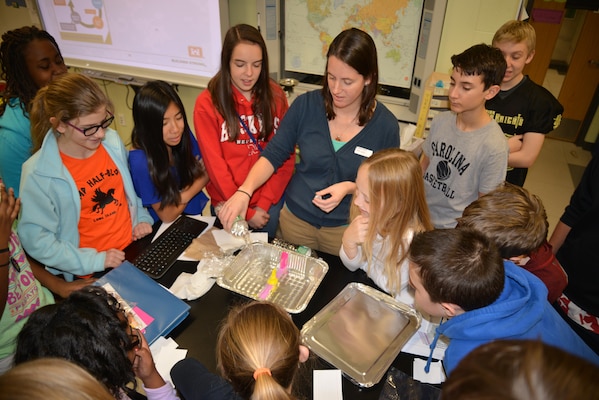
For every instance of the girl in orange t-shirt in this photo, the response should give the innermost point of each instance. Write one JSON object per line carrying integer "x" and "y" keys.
{"x": 80, "y": 209}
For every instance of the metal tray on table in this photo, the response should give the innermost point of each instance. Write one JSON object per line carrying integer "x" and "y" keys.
{"x": 360, "y": 332}
{"x": 248, "y": 274}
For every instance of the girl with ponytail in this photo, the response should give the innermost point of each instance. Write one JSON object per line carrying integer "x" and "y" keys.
{"x": 258, "y": 353}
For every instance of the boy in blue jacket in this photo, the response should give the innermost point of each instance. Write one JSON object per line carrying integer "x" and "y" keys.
{"x": 459, "y": 275}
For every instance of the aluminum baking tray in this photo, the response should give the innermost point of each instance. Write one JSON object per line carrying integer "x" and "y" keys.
{"x": 248, "y": 274}
{"x": 361, "y": 331}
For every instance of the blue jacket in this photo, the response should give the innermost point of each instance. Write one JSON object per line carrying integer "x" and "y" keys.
{"x": 48, "y": 226}
{"x": 521, "y": 312}
{"x": 15, "y": 143}
{"x": 320, "y": 166}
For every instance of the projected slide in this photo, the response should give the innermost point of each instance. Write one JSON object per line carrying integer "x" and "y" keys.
{"x": 393, "y": 24}
{"x": 180, "y": 37}
{"x": 85, "y": 24}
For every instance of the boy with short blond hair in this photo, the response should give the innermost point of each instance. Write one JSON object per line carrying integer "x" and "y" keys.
{"x": 525, "y": 110}
{"x": 459, "y": 274}
{"x": 516, "y": 221}
{"x": 465, "y": 153}
{"x": 517, "y": 32}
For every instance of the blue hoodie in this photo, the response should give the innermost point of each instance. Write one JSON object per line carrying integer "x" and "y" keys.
{"x": 521, "y": 312}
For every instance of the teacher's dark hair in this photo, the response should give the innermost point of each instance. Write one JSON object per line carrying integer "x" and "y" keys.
{"x": 357, "y": 49}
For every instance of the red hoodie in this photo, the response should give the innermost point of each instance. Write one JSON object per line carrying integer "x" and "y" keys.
{"x": 547, "y": 268}
{"x": 228, "y": 163}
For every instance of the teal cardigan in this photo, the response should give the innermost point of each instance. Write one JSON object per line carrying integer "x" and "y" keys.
{"x": 48, "y": 225}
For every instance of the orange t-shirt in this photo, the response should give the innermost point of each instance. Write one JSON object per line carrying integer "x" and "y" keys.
{"x": 105, "y": 221}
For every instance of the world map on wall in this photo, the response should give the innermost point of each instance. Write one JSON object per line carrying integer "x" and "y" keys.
{"x": 311, "y": 25}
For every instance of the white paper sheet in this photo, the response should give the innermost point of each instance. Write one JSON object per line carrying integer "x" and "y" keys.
{"x": 435, "y": 375}
{"x": 327, "y": 384}
{"x": 166, "y": 354}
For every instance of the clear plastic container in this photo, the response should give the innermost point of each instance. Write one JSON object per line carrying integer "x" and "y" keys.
{"x": 251, "y": 269}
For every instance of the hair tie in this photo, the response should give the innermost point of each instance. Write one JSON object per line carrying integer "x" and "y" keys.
{"x": 261, "y": 371}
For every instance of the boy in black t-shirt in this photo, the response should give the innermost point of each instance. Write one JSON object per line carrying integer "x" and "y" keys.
{"x": 525, "y": 110}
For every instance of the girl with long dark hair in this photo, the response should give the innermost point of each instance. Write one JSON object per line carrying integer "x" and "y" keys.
{"x": 165, "y": 162}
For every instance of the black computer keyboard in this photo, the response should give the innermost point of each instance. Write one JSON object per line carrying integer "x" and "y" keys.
{"x": 156, "y": 259}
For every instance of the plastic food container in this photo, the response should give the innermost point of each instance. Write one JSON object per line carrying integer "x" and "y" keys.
{"x": 361, "y": 331}
{"x": 251, "y": 269}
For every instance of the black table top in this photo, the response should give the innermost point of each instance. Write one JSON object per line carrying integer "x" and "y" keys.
{"x": 199, "y": 331}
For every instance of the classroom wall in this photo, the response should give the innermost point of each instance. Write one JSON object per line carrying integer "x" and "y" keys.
{"x": 467, "y": 22}
{"x": 122, "y": 98}
{"x": 12, "y": 17}
{"x": 243, "y": 12}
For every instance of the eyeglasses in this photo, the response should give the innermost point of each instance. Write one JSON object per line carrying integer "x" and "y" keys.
{"x": 89, "y": 131}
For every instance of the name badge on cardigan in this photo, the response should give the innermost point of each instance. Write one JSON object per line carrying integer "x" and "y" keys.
{"x": 361, "y": 151}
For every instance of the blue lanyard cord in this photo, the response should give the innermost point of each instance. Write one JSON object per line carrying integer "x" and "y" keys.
{"x": 427, "y": 367}
{"x": 249, "y": 133}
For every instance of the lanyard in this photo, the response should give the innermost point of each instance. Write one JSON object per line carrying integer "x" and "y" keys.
{"x": 249, "y": 133}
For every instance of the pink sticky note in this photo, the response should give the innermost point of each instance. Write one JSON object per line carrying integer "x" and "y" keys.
{"x": 145, "y": 317}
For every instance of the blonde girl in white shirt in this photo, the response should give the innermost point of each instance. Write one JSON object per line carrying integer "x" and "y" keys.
{"x": 389, "y": 206}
